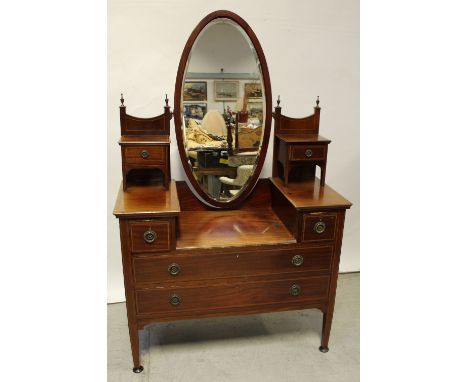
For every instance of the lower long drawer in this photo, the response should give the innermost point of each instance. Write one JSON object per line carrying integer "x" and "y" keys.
{"x": 217, "y": 296}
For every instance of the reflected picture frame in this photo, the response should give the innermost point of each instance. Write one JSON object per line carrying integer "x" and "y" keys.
{"x": 226, "y": 90}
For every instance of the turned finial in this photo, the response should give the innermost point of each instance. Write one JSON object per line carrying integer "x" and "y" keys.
{"x": 318, "y": 101}
{"x": 278, "y": 101}
{"x": 167, "y": 101}
{"x": 122, "y": 100}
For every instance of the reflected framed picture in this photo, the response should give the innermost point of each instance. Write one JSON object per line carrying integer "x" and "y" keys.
{"x": 253, "y": 90}
{"x": 195, "y": 91}
{"x": 195, "y": 111}
{"x": 226, "y": 90}
{"x": 255, "y": 109}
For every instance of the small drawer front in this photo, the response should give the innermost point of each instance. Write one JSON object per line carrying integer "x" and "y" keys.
{"x": 188, "y": 267}
{"x": 150, "y": 236}
{"x": 307, "y": 152}
{"x": 175, "y": 299}
{"x": 319, "y": 226}
{"x": 145, "y": 155}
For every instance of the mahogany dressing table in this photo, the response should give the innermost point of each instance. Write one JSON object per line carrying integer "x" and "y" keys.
{"x": 274, "y": 246}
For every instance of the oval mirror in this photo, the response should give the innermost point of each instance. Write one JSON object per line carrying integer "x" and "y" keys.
{"x": 222, "y": 109}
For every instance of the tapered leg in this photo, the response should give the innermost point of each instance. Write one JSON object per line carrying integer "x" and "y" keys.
{"x": 326, "y": 328}
{"x": 124, "y": 180}
{"x": 323, "y": 171}
{"x": 135, "y": 344}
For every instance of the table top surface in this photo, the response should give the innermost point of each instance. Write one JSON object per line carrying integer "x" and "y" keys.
{"x": 147, "y": 201}
{"x": 155, "y": 201}
{"x": 129, "y": 140}
{"x": 303, "y": 138}
{"x": 306, "y": 195}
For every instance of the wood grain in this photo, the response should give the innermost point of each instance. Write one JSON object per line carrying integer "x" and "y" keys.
{"x": 147, "y": 202}
{"x": 211, "y": 265}
{"x": 310, "y": 196}
{"x": 231, "y": 295}
{"x": 302, "y": 138}
{"x": 207, "y": 229}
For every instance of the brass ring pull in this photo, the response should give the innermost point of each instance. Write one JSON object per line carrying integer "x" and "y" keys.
{"x": 150, "y": 236}
{"x": 308, "y": 153}
{"x": 297, "y": 260}
{"x": 144, "y": 154}
{"x": 319, "y": 227}
{"x": 175, "y": 300}
{"x": 174, "y": 269}
{"x": 295, "y": 290}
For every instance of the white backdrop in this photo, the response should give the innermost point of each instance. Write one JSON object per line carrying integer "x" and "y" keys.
{"x": 311, "y": 47}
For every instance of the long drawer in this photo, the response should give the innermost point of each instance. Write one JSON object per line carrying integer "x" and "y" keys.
{"x": 217, "y": 296}
{"x": 199, "y": 266}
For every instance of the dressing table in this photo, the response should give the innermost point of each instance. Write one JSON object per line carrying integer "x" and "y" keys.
{"x": 273, "y": 246}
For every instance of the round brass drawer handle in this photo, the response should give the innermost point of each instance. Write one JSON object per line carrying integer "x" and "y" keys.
{"x": 319, "y": 227}
{"x": 144, "y": 154}
{"x": 295, "y": 290}
{"x": 308, "y": 153}
{"x": 297, "y": 260}
{"x": 174, "y": 269}
{"x": 175, "y": 300}
{"x": 150, "y": 236}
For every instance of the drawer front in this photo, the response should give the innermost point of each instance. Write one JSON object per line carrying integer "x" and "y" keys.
{"x": 188, "y": 267}
{"x": 307, "y": 152}
{"x": 151, "y": 235}
{"x": 145, "y": 155}
{"x": 319, "y": 226}
{"x": 176, "y": 299}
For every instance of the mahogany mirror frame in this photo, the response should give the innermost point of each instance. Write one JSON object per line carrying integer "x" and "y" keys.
{"x": 238, "y": 200}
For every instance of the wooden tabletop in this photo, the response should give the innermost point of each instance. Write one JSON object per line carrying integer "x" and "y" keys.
{"x": 129, "y": 140}
{"x": 199, "y": 229}
{"x": 147, "y": 202}
{"x": 306, "y": 195}
{"x": 302, "y": 138}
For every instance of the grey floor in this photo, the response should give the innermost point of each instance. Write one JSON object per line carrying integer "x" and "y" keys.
{"x": 265, "y": 347}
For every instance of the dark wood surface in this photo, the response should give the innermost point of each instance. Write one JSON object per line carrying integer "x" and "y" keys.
{"x": 259, "y": 199}
{"x": 131, "y": 125}
{"x": 141, "y": 140}
{"x": 155, "y": 154}
{"x": 149, "y": 136}
{"x": 302, "y": 138}
{"x": 230, "y": 261}
{"x": 243, "y": 294}
{"x": 232, "y": 264}
{"x": 147, "y": 202}
{"x": 297, "y": 152}
{"x": 310, "y": 196}
{"x": 208, "y": 229}
{"x": 311, "y": 219}
{"x": 239, "y": 199}
{"x": 165, "y": 235}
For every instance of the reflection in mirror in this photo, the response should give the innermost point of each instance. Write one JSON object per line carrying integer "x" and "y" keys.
{"x": 223, "y": 107}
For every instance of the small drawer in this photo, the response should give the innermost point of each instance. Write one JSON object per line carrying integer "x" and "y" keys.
{"x": 189, "y": 267}
{"x": 307, "y": 152}
{"x": 175, "y": 298}
{"x": 318, "y": 226}
{"x": 145, "y": 155}
{"x": 152, "y": 236}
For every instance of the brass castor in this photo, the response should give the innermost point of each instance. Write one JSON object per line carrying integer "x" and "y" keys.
{"x": 138, "y": 369}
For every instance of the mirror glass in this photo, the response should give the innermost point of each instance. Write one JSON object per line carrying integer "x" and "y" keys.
{"x": 222, "y": 109}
